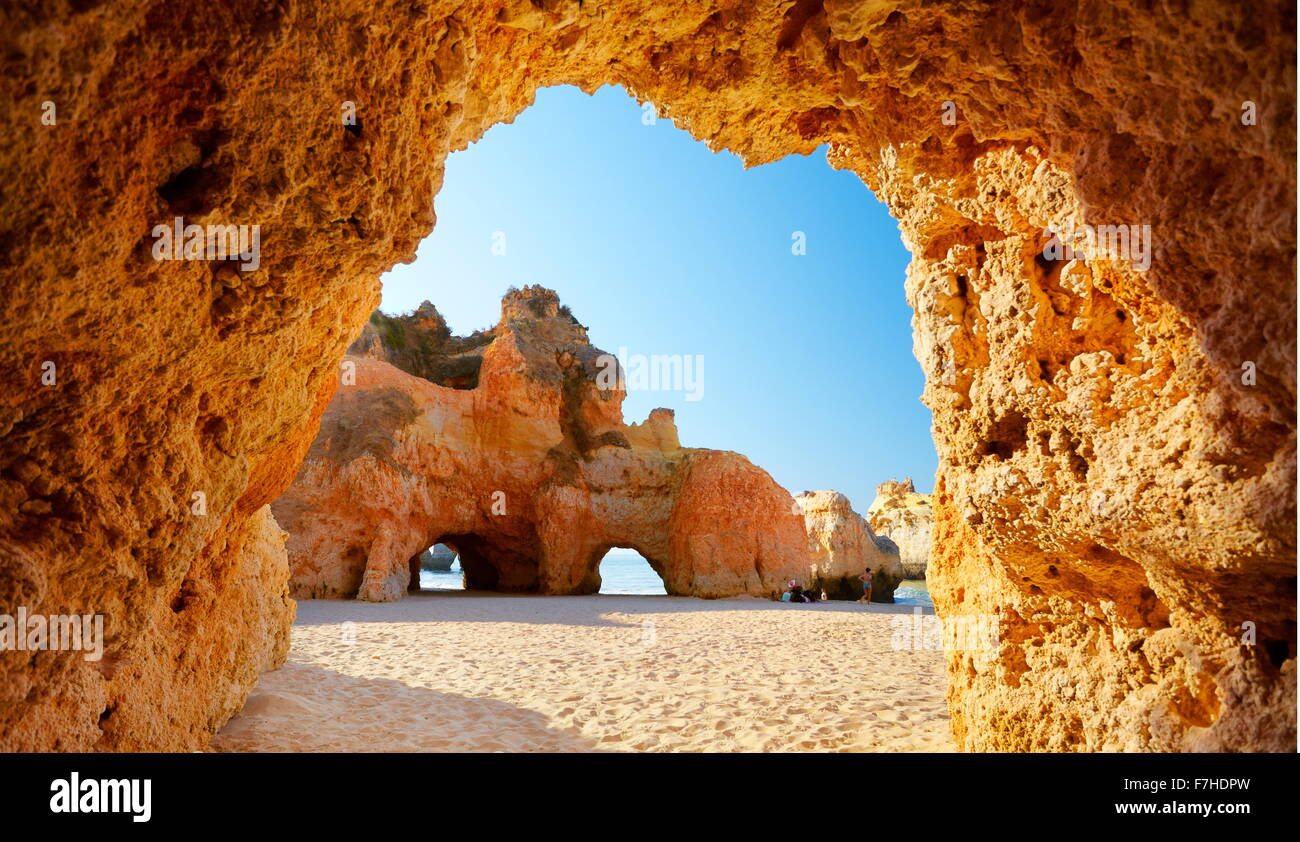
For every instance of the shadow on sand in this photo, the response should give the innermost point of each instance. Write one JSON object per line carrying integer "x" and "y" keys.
{"x": 308, "y": 708}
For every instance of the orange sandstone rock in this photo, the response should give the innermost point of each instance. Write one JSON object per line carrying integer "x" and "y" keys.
{"x": 1116, "y": 445}
{"x": 530, "y": 476}
{"x": 843, "y": 545}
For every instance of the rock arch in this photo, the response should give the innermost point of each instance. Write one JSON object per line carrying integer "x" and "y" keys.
{"x": 1109, "y": 480}
{"x": 488, "y": 567}
{"x": 598, "y": 556}
{"x": 530, "y": 474}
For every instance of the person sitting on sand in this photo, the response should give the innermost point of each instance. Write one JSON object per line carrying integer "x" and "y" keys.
{"x": 866, "y": 586}
{"x": 796, "y": 593}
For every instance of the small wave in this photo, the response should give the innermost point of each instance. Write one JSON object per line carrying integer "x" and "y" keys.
{"x": 913, "y": 593}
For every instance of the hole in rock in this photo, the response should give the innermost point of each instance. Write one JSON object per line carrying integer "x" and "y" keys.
{"x": 484, "y": 563}
{"x": 437, "y": 569}
{"x": 753, "y": 311}
{"x": 1006, "y": 436}
{"x": 189, "y": 192}
{"x": 1278, "y": 652}
{"x": 795, "y": 21}
{"x": 626, "y": 571}
{"x": 784, "y": 280}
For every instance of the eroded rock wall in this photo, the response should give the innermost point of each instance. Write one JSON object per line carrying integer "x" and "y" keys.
{"x": 176, "y": 681}
{"x": 1111, "y": 489}
{"x": 1108, "y": 482}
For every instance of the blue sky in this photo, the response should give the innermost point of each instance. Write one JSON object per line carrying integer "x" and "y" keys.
{"x": 660, "y": 246}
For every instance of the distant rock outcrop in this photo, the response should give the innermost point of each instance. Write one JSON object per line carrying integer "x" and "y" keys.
{"x": 439, "y": 557}
{"x": 420, "y": 343}
{"x": 842, "y": 546}
{"x": 907, "y": 519}
{"x": 528, "y": 472}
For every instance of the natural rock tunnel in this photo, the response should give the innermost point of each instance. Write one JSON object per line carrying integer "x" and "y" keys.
{"x": 1116, "y": 444}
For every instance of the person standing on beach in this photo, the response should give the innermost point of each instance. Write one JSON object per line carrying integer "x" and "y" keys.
{"x": 866, "y": 586}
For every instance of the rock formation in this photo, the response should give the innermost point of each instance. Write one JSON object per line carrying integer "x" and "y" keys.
{"x": 439, "y": 557}
{"x": 530, "y": 476}
{"x": 423, "y": 345}
{"x": 1116, "y": 441}
{"x": 907, "y": 520}
{"x": 226, "y": 622}
{"x": 842, "y": 545}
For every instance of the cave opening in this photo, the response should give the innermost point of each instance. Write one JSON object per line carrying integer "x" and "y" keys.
{"x": 549, "y": 209}
{"x": 624, "y": 571}
{"x": 437, "y": 569}
{"x": 848, "y": 79}
{"x": 481, "y": 564}
{"x": 558, "y": 200}
{"x": 670, "y": 254}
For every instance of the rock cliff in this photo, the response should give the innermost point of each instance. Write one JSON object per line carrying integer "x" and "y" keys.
{"x": 842, "y": 546}
{"x": 907, "y": 520}
{"x": 531, "y": 476}
{"x": 420, "y": 343}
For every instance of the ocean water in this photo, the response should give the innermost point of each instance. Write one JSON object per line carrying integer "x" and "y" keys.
{"x": 443, "y": 580}
{"x": 913, "y": 592}
{"x": 621, "y": 572}
{"x": 626, "y": 572}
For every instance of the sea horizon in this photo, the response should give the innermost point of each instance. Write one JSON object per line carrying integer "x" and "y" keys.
{"x": 626, "y": 573}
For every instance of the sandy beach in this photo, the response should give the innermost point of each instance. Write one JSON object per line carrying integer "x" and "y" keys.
{"x": 460, "y": 671}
